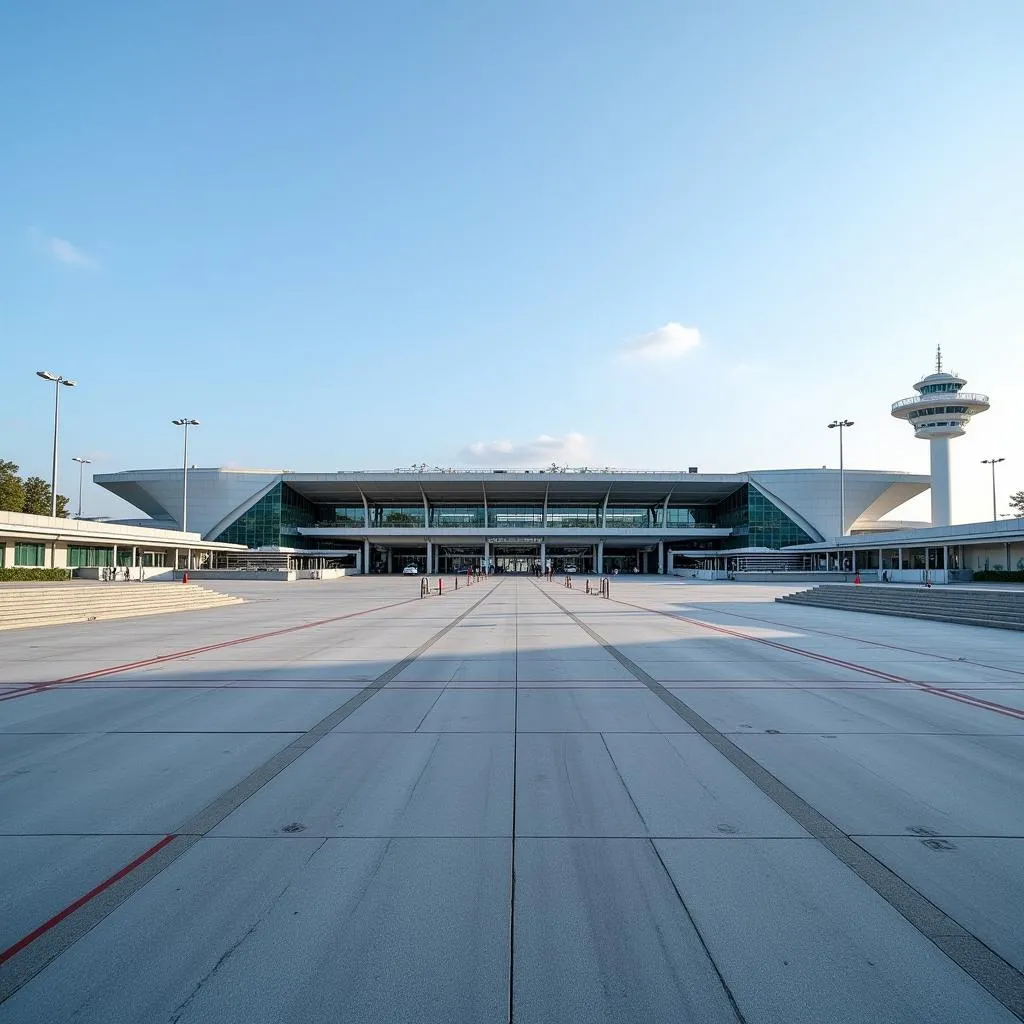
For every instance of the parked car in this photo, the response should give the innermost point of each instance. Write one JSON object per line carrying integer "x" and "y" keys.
{"x": 410, "y": 570}
{"x": 571, "y": 568}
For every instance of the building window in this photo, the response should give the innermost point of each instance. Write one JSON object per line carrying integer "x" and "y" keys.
{"x": 620, "y": 517}
{"x": 515, "y": 517}
{"x": 396, "y": 516}
{"x": 280, "y": 510}
{"x": 80, "y": 557}
{"x": 573, "y": 517}
{"x": 456, "y": 517}
{"x": 343, "y": 515}
{"x": 29, "y": 554}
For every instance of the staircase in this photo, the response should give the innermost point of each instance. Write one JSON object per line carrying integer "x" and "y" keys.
{"x": 59, "y": 603}
{"x": 1000, "y": 609}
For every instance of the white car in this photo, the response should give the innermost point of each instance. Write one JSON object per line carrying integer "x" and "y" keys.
{"x": 570, "y": 568}
{"x": 410, "y": 570}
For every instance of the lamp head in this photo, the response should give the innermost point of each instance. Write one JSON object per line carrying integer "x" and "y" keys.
{"x": 46, "y": 375}
{"x": 67, "y": 383}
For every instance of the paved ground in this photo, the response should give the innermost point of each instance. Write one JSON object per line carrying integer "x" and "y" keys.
{"x": 684, "y": 804}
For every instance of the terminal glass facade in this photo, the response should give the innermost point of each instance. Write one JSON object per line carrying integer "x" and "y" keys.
{"x": 454, "y": 517}
{"x": 515, "y": 517}
{"x": 397, "y": 516}
{"x": 574, "y": 517}
{"x": 344, "y": 516}
{"x": 757, "y": 522}
{"x": 273, "y": 521}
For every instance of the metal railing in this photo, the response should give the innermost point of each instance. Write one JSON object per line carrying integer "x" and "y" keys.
{"x": 941, "y": 397}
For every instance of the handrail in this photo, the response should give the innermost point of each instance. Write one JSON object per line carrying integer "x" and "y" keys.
{"x": 940, "y": 396}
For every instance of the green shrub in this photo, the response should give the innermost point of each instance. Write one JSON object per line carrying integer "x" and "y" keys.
{"x": 998, "y": 576}
{"x": 18, "y": 575}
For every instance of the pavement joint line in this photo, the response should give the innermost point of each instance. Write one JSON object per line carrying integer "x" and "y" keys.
{"x": 160, "y": 659}
{"x": 998, "y": 977}
{"x": 861, "y": 640}
{"x": 999, "y": 709}
{"x": 31, "y": 954}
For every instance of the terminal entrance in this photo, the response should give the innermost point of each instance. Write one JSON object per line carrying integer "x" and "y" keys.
{"x": 516, "y": 558}
{"x": 578, "y": 558}
{"x": 459, "y": 559}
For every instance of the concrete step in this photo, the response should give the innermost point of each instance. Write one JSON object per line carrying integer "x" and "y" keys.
{"x": 21, "y": 607}
{"x": 973, "y": 608}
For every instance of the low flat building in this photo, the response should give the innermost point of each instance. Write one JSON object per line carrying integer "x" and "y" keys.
{"x": 46, "y": 542}
{"x": 514, "y": 520}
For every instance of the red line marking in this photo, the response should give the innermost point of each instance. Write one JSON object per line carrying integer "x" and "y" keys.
{"x": 975, "y": 702}
{"x": 963, "y": 698}
{"x": 160, "y": 658}
{"x": 82, "y": 900}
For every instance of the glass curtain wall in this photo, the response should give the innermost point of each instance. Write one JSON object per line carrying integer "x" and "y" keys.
{"x": 515, "y": 517}
{"x": 574, "y": 517}
{"x": 455, "y": 517}
{"x": 399, "y": 516}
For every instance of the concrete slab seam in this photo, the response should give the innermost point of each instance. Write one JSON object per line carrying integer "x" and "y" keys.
{"x": 40, "y": 947}
{"x": 1001, "y": 979}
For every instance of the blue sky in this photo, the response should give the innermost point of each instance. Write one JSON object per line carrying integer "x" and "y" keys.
{"x": 657, "y": 234}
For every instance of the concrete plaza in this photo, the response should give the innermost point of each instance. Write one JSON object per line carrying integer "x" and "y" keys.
{"x": 515, "y": 801}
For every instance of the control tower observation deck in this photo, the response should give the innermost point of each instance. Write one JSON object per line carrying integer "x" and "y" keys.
{"x": 940, "y": 410}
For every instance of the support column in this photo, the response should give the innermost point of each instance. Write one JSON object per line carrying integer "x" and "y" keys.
{"x": 366, "y": 557}
{"x": 391, "y": 566}
{"x": 487, "y": 556}
{"x": 430, "y": 558}
{"x": 544, "y": 557}
{"x": 942, "y": 511}
{"x": 661, "y": 558}
{"x": 114, "y": 560}
{"x": 600, "y": 557}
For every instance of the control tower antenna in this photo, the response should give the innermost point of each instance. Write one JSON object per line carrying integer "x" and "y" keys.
{"x": 940, "y": 410}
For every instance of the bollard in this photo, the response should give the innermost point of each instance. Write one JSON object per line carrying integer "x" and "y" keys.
{"x": 456, "y": 582}
{"x": 439, "y": 584}
{"x": 856, "y": 580}
{"x": 424, "y": 587}
{"x": 184, "y": 576}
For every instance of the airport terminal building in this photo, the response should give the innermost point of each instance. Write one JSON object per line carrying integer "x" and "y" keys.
{"x": 516, "y": 520}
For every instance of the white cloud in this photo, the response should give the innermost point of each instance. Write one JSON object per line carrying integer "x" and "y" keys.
{"x": 668, "y": 342}
{"x": 570, "y": 449}
{"x": 62, "y": 250}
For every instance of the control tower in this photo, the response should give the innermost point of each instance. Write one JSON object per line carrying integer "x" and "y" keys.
{"x": 941, "y": 409}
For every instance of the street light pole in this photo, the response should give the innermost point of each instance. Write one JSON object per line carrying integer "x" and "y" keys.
{"x": 992, "y": 463}
{"x": 185, "y": 422}
{"x": 82, "y": 463}
{"x": 841, "y": 424}
{"x": 57, "y": 382}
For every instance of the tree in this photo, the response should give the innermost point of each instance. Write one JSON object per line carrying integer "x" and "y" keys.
{"x": 12, "y": 490}
{"x": 1017, "y": 503}
{"x": 37, "y": 499}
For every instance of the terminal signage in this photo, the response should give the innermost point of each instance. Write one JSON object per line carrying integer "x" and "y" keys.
{"x": 514, "y": 539}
